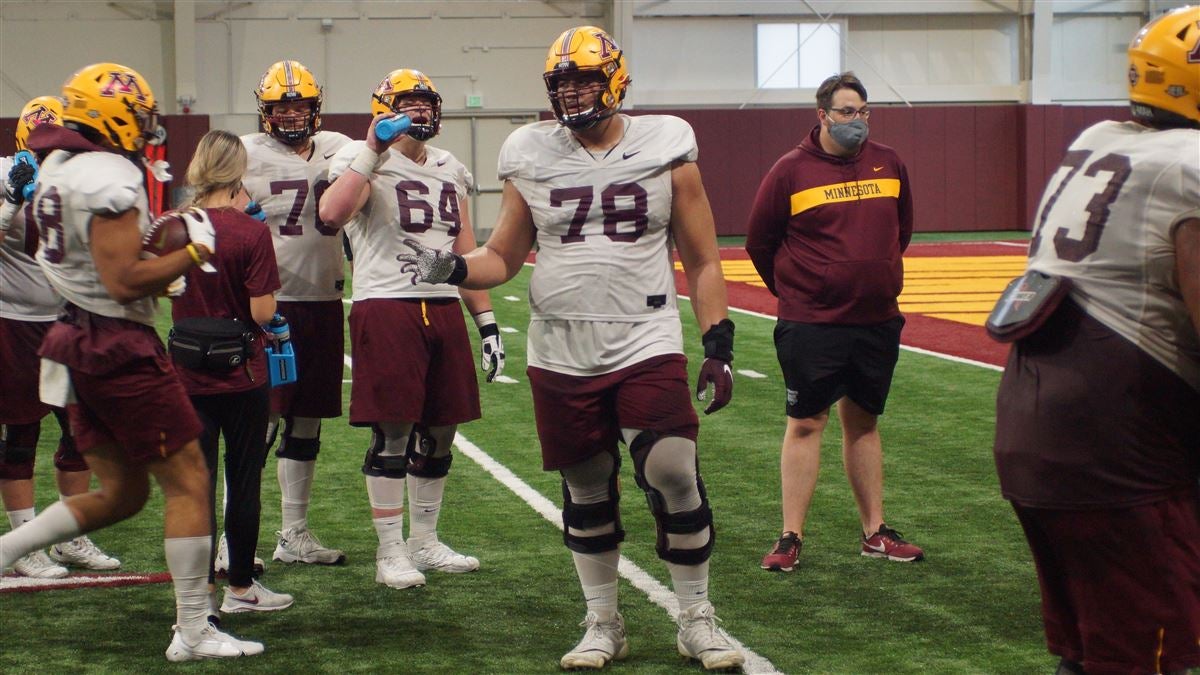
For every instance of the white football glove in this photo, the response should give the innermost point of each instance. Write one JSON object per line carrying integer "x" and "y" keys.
{"x": 176, "y": 288}
{"x": 200, "y": 231}
{"x": 432, "y": 266}
{"x": 491, "y": 347}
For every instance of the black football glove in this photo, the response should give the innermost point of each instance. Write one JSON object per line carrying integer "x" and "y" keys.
{"x": 19, "y": 176}
{"x": 718, "y": 354}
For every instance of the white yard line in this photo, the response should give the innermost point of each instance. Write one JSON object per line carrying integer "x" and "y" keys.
{"x": 658, "y": 593}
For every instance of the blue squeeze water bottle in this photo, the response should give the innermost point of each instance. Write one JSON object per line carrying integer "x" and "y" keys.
{"x": 386, "y": 130}
{"x": 27, "y": 157}
{"x": 281, "y": 360}
{"x": 255, "y": 211}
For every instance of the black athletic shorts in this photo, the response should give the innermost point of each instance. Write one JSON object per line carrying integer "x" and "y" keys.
{"x": 823, "y": 362}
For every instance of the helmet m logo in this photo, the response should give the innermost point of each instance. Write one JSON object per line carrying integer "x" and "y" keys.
{"x": 1194, "y": 55}
{"x": 123, "y": 83}
{"x": 607, "y": 46}
{"x": 39, "y": 115}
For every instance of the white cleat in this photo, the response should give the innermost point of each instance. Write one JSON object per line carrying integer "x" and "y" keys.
{"x": 38, "y": 565}
{"x": 213, "y": 644}
{"x": 701, "y": 639}
{"x": 258, "y": 598}
{"x": 601, "y": 643}
{"x": 81, "y": 552}
{"x": 440, "y": 557}
{"x": 393, "y": 567}
{"x": 299, "y": 545}
{"x": 221, "y": 564}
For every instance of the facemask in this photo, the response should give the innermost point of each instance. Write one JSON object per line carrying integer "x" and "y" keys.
{"x": 850, "y": 134}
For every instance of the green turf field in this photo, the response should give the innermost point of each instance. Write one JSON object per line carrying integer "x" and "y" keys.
{"x": 971, "y": 607}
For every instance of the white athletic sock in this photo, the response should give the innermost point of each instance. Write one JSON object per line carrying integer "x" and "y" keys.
{"x": 390, "y": 529}
{"x": 295, "y": 486}
{"x": 598, "y": 577}
{"x": 690, "y": 583}
{"x": 187, "y": 561}
{"x": 55, "y": 524}
{"x": 602, "y": 600}
{"x": 21, "y": 516}
{"x": 424, "y": 506}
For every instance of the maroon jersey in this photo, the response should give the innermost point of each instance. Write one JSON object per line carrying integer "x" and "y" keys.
{"x": 826, "y": 233}
{"x": 245, "y": 262}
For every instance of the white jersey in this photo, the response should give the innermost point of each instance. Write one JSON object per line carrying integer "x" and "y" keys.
{"x": 25, "y": 293}
{"x": 407, "y": 201}
{"x": 604, "y": 269}
{"x": 288, "y": 186}
{"x": 71, "y": 189}
{"x": 1108, "y": 225}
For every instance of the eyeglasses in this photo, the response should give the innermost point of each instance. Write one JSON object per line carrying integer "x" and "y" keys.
{"x": 851, "y": 113}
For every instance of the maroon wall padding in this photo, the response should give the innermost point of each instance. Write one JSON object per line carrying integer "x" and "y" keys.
{"x": 183, "y": 135}
{"x": 972, "y": 167}
{"x": 1046, "y": 131}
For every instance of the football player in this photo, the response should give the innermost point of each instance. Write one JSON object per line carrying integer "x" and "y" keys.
{"x": 1096, "y": 417}
{"x": 604, "y": 196}
{"x": 28, "y": 307}
{"x": 413, "y": 377}
{"x": 102, "y": 358}
{"x": 287, "y": 172}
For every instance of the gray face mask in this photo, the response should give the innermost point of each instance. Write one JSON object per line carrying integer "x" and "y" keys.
{"x": 850, "y": 134}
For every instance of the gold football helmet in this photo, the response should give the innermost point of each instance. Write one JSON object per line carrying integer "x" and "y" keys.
{"x": 286, "y": 82}
{"x": 582, "y": 53}
{"x": 41, "y": 110}
{"x": 408, "y": 82}
{"x": 1164, "y": 69}
{"x": 114, "y": 102}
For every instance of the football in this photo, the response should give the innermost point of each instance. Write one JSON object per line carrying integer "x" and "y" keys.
{"x": 167, "y": 233}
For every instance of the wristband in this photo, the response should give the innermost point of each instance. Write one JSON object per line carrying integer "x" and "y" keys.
{"x": 484, "y": 318}
{"x": 459, "y": 274}
{"x": 366, "y": 162}
{"x": 195, "y": 254}
{"x": 718, "y": 341}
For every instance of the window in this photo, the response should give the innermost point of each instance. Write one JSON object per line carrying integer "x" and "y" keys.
{"x": 798, "y": 55}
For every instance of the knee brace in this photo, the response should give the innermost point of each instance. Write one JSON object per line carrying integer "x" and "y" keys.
{"x": 20, "y": 450}
{"x": 589, "y": 516}
{"x": 429, "y": 451}
{"x": 299, "y": 449}
{"x": 380, "y": 465}
{"x": 67, "y": 458}
{"x": 682, "y": 522}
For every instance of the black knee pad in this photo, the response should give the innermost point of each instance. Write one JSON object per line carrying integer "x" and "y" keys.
{"x": 380, "y": 465}
{"x": 683, "y": 522}
{"x": 587, "y": 516}
{"x": 16, "y": 455}
{"x": 22, "y": 435}
{"x": 67, "y": 457}
{"x": 299, "y": 449}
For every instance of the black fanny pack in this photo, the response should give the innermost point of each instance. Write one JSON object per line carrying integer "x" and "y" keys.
{"x": 208, "y": 343}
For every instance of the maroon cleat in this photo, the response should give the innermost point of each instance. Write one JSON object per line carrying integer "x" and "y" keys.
{"x": 783, "y": 557}
{"x": 887, "y": 543}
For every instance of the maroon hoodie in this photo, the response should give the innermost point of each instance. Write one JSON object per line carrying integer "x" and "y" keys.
{"x": 826, "y": 233}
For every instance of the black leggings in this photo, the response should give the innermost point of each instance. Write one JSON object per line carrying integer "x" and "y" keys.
{"x": 241, "y": 417}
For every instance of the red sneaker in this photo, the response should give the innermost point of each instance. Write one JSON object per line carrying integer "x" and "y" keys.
{"x": 887, "y": 543}
{"x": 783, "y": 557}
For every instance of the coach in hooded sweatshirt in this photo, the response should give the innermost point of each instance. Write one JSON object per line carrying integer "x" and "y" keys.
{"x": 826, "y": 234}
